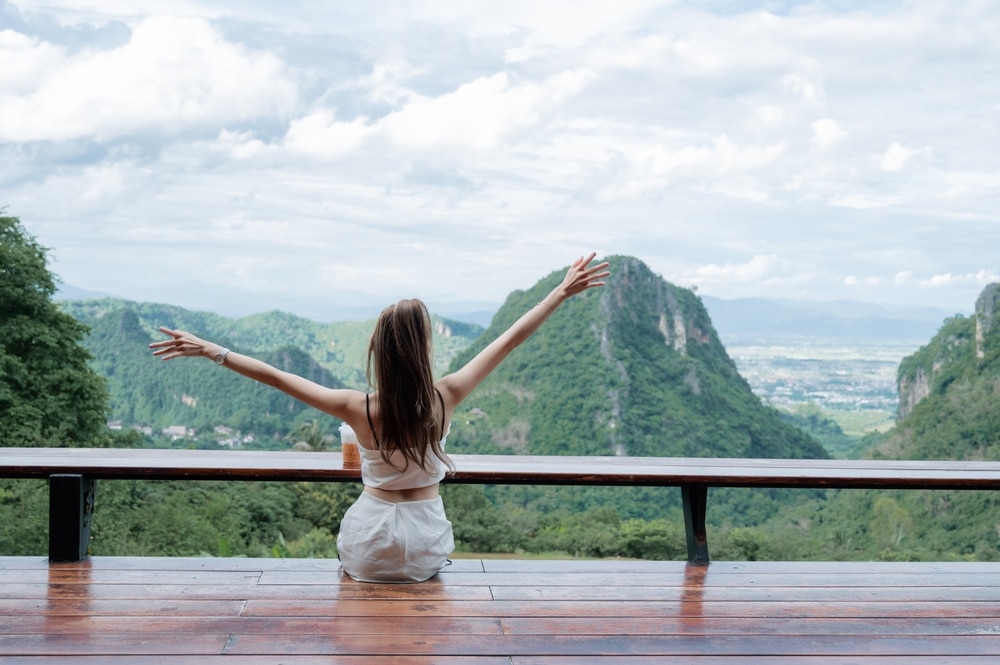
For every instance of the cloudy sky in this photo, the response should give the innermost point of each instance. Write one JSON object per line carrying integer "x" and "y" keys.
{"x": 245, "y": 155}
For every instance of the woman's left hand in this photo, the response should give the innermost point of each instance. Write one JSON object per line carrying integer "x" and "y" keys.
{"x": 183, "y": 344}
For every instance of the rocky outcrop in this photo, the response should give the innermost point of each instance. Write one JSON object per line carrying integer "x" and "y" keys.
{"x": 912, "y": 390}
{"x": 986, "y": 312}
{"x": 957, "y": 339}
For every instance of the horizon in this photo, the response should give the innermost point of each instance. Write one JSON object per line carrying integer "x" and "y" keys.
{"x": 725, "y": 312}
{"x": 343, "y": 154}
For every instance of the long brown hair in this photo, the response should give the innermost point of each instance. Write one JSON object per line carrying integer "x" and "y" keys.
{"x": 399, "y": 355}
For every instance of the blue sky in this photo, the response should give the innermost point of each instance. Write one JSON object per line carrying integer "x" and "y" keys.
{"x": 316, "y": 156}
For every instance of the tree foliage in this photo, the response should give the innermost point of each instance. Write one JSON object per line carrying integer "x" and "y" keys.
{"x": 49, "y": 394}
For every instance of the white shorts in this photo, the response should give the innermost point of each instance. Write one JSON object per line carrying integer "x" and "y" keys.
{"x": 381, "y": 541}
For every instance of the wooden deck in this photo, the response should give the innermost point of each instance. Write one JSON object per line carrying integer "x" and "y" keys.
{"x": 304, "y": 611}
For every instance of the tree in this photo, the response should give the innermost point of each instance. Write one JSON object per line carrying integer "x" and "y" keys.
{"x": 49, "y": 395}
{"x": 311, "y": 436}
{"x": 891, "y": 523}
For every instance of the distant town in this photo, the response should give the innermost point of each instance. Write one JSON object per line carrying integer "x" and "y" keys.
{"x": 222, "y": 435}
{"x": 838, "y": 376}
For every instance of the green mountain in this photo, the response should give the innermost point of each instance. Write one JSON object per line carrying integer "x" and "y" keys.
{"x": 149, "y": 392}
{"x": 948, "y": 395}
{"x": 635, "y": 368}
{"x": 949, "y": 391}
{"x": 339, "y": 347}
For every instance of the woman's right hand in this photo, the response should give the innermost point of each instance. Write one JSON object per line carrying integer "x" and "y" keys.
{"x": 578, "y": 279}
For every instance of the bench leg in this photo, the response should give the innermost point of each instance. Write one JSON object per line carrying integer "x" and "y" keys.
{"x": 71, "y": 508}
{"x": 695, "y": 500}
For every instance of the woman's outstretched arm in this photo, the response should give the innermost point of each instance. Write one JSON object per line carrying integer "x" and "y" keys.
{"x": 580, "y": 277}
{"x": 336, "y": 402}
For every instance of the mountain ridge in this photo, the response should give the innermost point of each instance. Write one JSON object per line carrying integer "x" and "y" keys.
{"x": 339, "y": 347}
{"x": 650, "y": 371}
{"x": 731, "y": 317}
{"x": 635, "y": 368}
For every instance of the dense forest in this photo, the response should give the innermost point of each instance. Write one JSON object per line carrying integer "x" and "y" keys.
{"x": 635, "y": 368}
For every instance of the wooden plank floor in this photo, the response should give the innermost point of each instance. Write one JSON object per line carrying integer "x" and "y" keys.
{"x": 300, "y": 612}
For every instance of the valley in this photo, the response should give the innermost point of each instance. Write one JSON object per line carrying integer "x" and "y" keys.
{"x": 852, "y": 380}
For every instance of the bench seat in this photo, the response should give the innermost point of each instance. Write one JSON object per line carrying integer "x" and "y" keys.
{"x": 73, "y": 474}
{"x": 152, "y": 464}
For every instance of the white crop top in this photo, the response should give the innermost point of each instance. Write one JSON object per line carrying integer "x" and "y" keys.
{"x": 375, "y": 472}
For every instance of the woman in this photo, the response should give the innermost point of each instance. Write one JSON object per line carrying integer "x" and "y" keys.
{"x": 397, "y": 530}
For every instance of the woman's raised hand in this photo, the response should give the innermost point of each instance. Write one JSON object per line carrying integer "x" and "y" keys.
{"x": 182, "y": 344}
{"x": 581, "y": 276}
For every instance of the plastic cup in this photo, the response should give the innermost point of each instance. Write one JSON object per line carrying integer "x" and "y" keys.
{"x": 349, "y": 448}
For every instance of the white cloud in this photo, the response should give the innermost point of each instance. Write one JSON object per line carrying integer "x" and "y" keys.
{"x": 907, "y": 278}
{"x": 770, "y": 116}
{"x": 827, "y": 133}
{"x": 23, "y": 60}
{"x": 861, "y": 200}
{"x": 807, "y": 86}
{"x": 854, "y": 280}
{"x": 491, "y": 135}
{"x": 541, "y": 27}
{"x": 238, "y": 145}
{"x": 654, "y": 168}
{"x": 896, "y": 156}
{"x": 320, "y": 135}
{"x": 173, "y": 74}
{"x": 978, "y": 278}
{"x": 761, "y": 269}
{"x": 481, "y": 115}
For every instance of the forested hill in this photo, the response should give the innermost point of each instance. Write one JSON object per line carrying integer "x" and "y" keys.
{"x": 148, "y": 392}
{"x": 339, "y": 347}
{"x": 948, "y": 395}
{"x": 635, "y": 368}
{"x": 949, "y": 391}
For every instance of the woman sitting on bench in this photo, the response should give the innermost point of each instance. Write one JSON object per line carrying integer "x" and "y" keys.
{"x": 397, "y": 530}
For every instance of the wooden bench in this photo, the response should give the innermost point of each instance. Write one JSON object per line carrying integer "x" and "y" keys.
{"x": 73, "y": 472}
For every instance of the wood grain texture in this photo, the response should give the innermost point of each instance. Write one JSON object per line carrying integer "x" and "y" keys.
{"x": 146, "y": 464}
{"x": 164, "y": 611}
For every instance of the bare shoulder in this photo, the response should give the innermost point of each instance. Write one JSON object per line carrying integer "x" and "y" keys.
{"x": 446, "y": 386}
{"x": 355, "y": 405}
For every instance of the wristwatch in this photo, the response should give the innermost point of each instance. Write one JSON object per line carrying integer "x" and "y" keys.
{"x": 220, "y": 357}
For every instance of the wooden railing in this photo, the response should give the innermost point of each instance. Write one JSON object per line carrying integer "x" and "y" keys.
{"x": 73, "y": 473}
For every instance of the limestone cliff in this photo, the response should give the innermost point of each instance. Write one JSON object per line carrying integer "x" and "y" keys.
{"x": 635, "y": 368}
{"x": 986, "y": 312}
{"x": 958, "y": 342}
